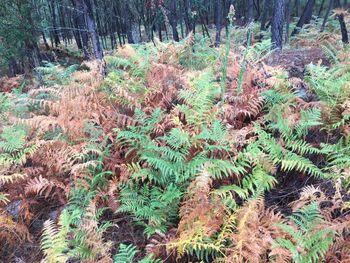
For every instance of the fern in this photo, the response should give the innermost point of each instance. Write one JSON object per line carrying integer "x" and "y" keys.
{"x": 54, "y": 241}
{"x": 13, "y": 146}
{"x": 153, "y": 208}
{"x": 309, "y": 243}
{"x": 4, "y": 198}
{"x": 127, "y": 253}
{"x": 199, "y": 100}
{"x": 54, "y": 74}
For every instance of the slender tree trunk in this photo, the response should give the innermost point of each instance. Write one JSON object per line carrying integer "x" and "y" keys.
{"x": 326, "y": 16}
{"x": 257, "y": 7}
{"x": 343, "y": 29}
{"x": 91, "y": 26}
{"x": 14, "y": 68}
{"x": 321, "y": 8}
{"x": 81, "y": 11}
{"x": 173, "y": 20}
{"x": 47, "y": 47}
{"x": 297, "y": 7}
{"x": 187, "y": 16}
{"x": 54, "y": 22}
{"x": 218, "y": 22}
{"x": 277, "y": 24}
{"x": 305, "y": 17}
{"x": 264, "y": 14}
{"x": 288, "y": 19}
{"x": 250, "y": 11}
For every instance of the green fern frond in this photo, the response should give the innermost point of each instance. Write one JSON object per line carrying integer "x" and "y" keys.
{"x": 4, "y": 198}
{"x": 309, "y": 243}
{"x": 54, "y": 243}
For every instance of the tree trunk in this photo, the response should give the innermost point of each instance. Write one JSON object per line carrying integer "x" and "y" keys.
{"x": 47, "y": 47}
{"x": 297, "y": 7}
{"x": 288, "y": 19}
{"x": 173, "y": 20}
{"x": 188, "y": 16}
{"x": 264, "y": 14}
{"x": 321, "y": 8}
{"x": 91, "y": 26}
{"x": 343, "y": 29}
{"x": 218, "y": 22}
{"x": 277, "y": 24}
{"x": 131, "y": 25}
{"x": 305, "y": 17}
{"x": 54, "y": 22}
{"x": 330, "y": 6}
{"x": 250, "y": 11}
{"x": 81, "y": 11}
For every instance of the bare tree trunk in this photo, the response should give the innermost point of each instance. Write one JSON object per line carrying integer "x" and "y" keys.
{"x": 54, "y": 22}
{"x": 187, "y": 16}
{"x": 330, "y": 6}
{"x": 250, "y": 11}
{"x": 218, "y": 22}
{"x": 305, "y": 17}
{"x": 173, "y": 20}
{"x": 91, "y": 26}
{"x": 264, "y": 14}
{"x": 321, "y": 8}
{"x": 277, "y": 24}
{"x": 81, "y": 11}
{"x": 343, "y": 29}
{"x": 288, "y": 19}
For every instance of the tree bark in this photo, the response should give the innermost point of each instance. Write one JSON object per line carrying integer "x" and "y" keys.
{"x": 343, "y": 29}
{"x": 288, "y": 19}
{"x": 329, "y": 9}
{"x": 277, "y": 24}
{"x": 54, "y": 22}
{"x": 81, "y": 11}
{"x": 218, "y": 22}
{"x": 321, "y": 8}
{"x": 173, "y": 20}
{"x": 250, "y": 11}
{"x": 264, "y": 14}
{"x": 91, "y": 26}
{"x": 187, "y": 16}
{"x": 305, "y": 17}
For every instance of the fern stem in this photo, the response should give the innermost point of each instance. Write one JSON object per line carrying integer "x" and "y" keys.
{"x": 243, "y": 64}
{"x": 225, "y": 62}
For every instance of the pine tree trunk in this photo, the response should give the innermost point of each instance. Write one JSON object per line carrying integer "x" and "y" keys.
{"x": 264, "y": 14}
{"x": 187, "y": 16}
{"x": 343, "y": 29}
{"x": 288, "y": 19}
{"x": 81, "y": 11}
{"x": 173, "y": 20}
{"x": 250, "y": 11}
{"x": 305, "y": 17}
{"x": 218, "y": 22}
{"x": 277, "y": 24}
{"x": 91, "y": 26}
{"x": 329, "y": 9}
{"x": 54, "y": 22}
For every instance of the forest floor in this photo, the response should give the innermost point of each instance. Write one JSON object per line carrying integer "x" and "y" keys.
{"x": 178, "y": 157}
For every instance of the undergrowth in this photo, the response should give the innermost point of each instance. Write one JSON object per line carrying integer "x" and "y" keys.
{"x": 160, "y": 142}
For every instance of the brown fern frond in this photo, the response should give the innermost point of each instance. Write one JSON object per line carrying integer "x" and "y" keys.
{"x": 12, "y": 232}
{"x": 35, "y": 92}
{"x": 93, "y": 237}
{"x": 164, "y": 82}
{"x": 253, "y": 234}
{"x": 44, "y": 187}
{"x": 124, "y": 121}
